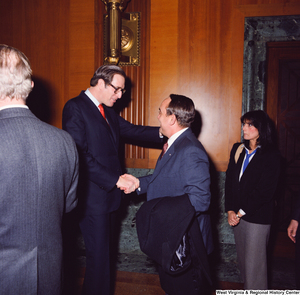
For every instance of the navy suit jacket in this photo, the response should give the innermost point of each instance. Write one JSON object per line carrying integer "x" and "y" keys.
{"x": 184, "y": 169}
{"x": 296, "y": 210}
{"x": 255, "y": 191}
{"x": 98, "y": 146}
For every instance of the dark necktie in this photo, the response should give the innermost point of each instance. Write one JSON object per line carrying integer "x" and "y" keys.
{"x": 165, "y": 147}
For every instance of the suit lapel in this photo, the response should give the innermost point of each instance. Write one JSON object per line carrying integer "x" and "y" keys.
{"x": 250, "y": 166}
{"x": 162, "y": 162}
{"x": 98, "y": 118}
{"x": 111, "y": 125}
{"x": 168, "y": 155}
{"x": 238, "y": 166}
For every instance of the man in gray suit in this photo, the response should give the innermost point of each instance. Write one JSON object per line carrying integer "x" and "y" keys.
{"x": 38, "y": 180}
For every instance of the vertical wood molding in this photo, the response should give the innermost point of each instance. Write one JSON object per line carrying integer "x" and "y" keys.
{"x": 138, "y": 97}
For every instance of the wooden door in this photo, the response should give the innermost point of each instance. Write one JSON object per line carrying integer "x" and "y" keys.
{"x": 283, "y": 106}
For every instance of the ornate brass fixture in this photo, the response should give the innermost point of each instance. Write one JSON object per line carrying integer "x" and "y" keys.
{"x": 121, "y": 34}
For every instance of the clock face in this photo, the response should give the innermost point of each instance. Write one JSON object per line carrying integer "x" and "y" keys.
{"x": 126, "y": 39}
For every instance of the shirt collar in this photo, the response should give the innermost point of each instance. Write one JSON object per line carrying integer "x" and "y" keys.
{"x": 23, "y": 106}
{"x": 92, "y": 97}
{"x": 175, "y": 136}
{"x": 253, "y": 151}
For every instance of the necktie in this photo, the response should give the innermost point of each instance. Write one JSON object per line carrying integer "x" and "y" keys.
{"x": 246, "y": 162}
{"x": 100, "y": 106}
{"x": 165, "y": 147}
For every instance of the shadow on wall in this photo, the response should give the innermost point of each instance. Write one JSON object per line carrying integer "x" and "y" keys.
{"x": 124, "y": 102}
{"x": 215, "y": 208}
{"x": 38, "y": 100}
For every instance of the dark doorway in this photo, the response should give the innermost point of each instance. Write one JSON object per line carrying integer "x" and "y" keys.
{"x": 283, "y": 106}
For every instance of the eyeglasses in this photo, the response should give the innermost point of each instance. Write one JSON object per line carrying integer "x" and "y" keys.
{"x": 117, "y": 89}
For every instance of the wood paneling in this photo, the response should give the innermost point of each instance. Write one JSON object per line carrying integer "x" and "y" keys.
{"x": 163, "y": 57}
{"x": 40, "y": 30}
{"x": 197, "y": 50}
{"x": 188, "y": 47}
{"x": 82, "y": 36}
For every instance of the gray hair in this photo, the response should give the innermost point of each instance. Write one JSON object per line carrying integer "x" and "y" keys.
{"x": 15, "y": 74}
{"x": 106, "y": 73}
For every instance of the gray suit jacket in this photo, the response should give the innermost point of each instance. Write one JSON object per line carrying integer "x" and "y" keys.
{"x": 38, "y": 179}
{"x": 184, "y": 169}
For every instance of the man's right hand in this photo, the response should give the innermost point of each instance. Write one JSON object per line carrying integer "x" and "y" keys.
{"x": 292, "y": 230}
{"x": 232, "y": 218}
{"x": 128, "y": 183}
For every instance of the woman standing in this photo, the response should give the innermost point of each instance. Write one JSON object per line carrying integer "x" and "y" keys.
{"x": 251, "y": 181}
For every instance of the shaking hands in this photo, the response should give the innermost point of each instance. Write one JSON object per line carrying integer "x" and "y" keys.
{"x": 128, "y": 183}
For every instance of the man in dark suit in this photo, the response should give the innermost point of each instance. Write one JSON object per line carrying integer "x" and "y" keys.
{"x": 38, "y": 179}
{"x": 184, "y": 166}
{"x": 97, "y": 134}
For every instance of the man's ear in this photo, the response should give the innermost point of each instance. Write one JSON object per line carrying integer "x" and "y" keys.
{"x": 173, "y": 119}
{"x": 101, "y": 83}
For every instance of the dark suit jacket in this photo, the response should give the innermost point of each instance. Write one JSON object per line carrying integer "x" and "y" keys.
{"x": 161, "y": 224}
{"x": 98, "y": 146}
{"x": 184, "y": 169}
{"x": 38, "y": 179}
{"x": 255, "y": 192}
{"x": 296, "y": 209}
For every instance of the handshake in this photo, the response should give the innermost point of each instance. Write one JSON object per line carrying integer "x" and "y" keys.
{"x": 128, "y": 183}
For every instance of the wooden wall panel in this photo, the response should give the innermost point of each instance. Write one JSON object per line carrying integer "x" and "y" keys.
{"x": 208, "y": 57}
{"x": 188, "y": 47}
{"x": 40, "y": 30}
{"x": 82, "y": 34}
{"x": 197, "y": 50}
{"x": 163, "y": 57}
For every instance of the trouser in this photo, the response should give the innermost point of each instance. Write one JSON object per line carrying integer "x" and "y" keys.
{"x": 97, "y": 232}
{"x": 297, "y": 260}
{"x": 251, "y": 241}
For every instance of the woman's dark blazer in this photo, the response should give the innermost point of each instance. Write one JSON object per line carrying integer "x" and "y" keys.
{"x": 255, "y": 191}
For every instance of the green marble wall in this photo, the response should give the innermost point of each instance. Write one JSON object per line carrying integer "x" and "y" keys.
{"x": 131, "y": 203}
{"x": 259, "y": 31}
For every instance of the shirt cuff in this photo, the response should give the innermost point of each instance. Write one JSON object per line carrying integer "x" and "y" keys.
{"x": 242, "y": 212}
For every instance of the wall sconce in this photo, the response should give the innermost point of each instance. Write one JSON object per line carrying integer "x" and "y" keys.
{"x": 121, "y": 34}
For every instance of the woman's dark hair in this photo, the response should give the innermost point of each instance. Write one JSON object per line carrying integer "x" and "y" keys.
{"x": 106, "y": 73}
{"x": 183, "y": 108}
{"x": 265, "y": 126}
